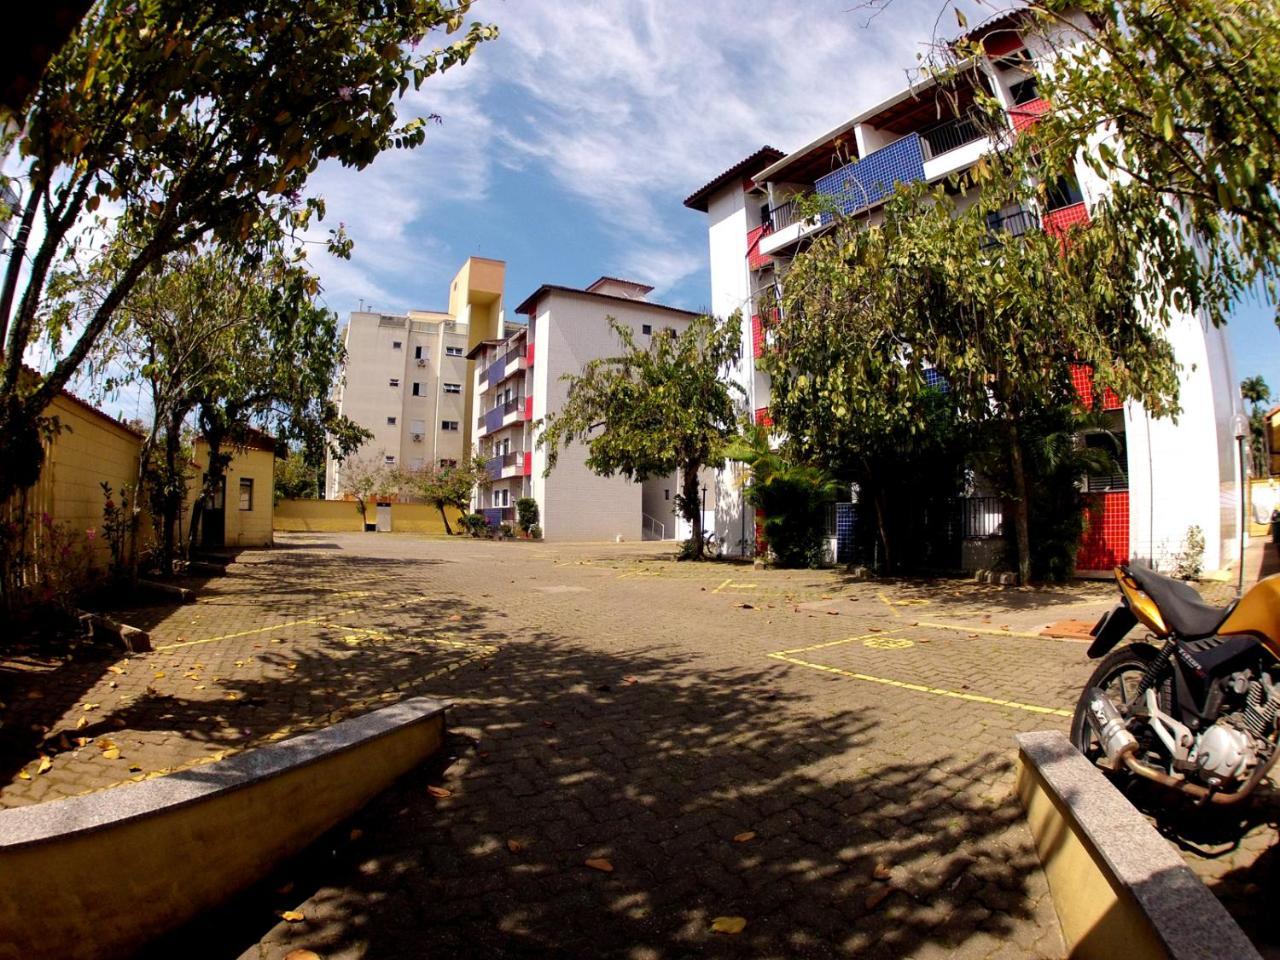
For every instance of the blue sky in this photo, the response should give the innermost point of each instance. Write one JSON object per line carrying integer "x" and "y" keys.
{"x": 567, "y": 145}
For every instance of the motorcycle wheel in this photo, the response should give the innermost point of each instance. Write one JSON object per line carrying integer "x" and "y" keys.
{"x": 1118, "y": 675}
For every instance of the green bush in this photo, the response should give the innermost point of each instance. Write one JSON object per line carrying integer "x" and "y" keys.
{"x": 475, "y": 524}
{"x": 535, "y": 532}
{"x": 526, "y": 514}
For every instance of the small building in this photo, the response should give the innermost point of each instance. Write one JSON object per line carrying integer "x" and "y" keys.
{"x": 241, "y": 513}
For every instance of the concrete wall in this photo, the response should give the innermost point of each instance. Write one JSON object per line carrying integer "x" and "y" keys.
{"x": 91, "y": 448}
{"x": 337, "y": 516}
{"x": 658, "y": 501}
{"x": 250, "y": 527}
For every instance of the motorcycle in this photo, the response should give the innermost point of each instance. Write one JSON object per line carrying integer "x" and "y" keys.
{"x": 1196, "y": 710}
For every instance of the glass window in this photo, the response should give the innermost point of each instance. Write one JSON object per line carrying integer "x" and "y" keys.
{"x": 417, "y": 426}
{"x": 393, "y": 382}
{"x": 453, "y": 388}
{"x": 453, "y": 351}
{"x": 646, "y": 328}
{"x": 391, "y": 421}
{"x": 1024, "y": 91}
{"x": 448, "y": 424}
{"x": 246, "y": 493}
{"x": 389, "y": 458}
{"x": 1063, "y": 192}
{"x": 417, "y": 352}
{"x": 417, "y": 389}
{"x": 397, "y": 344}
{"x": 448, "y": 463}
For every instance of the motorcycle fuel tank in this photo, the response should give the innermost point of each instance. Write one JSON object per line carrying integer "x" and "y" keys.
{"x": 1258, "y": 613}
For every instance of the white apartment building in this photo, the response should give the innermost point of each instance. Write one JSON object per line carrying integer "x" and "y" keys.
{"x": 1177, "y": 474}
{"x": 519, "y": 380}
{"x": 405, "y": 380}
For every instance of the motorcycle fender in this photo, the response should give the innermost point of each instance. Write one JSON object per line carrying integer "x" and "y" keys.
{"x": 1111, "y": 629}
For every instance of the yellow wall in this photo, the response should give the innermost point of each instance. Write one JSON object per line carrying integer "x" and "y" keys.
{"x": 88, "y": 450}
{"x": 336, "y": 516}
{"x": 244, "y": 528}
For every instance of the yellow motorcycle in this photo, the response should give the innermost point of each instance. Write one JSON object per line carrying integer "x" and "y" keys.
{"x": 1193, "y": 707}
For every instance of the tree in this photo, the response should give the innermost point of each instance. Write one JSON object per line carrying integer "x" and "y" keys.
{"x": 651, "y": 411}
{"x": 367, "y": 478}
{"x": 190, "y": 121}
{"x": 527, "y": 514}
{"x": 1256, "y": 393}
{"x": 447, "y": 486}
{"x": 792, "y": 496}
{"x": 999, "y": 319}
{"x": 295, "y": 478}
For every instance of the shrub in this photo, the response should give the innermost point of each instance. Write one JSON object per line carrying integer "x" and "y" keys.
{"x": 1188, "y": 563}
{"x": 535, "y": 532}
{"x": 117, "y": 521}
{"x": 475, "y": 524}
{"x": 63, "y": 565}
{"x": 526, "y": 514}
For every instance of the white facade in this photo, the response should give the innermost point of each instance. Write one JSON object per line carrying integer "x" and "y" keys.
{"x": 1179, "y": 474}
{"x": 405, "y": 379}
{"x": 566, "y": 328}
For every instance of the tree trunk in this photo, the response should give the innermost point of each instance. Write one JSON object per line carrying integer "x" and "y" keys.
{"x": 1021, "y": 511}
{"x": 691, "y": 508}
{"x": 882, "y": 526}
{"x": 445, "y": 517}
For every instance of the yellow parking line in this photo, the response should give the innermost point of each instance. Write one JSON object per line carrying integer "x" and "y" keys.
{"x": 922, "y": 688}
{"x": 723, "y": 585}
{"x": 308, "y": 622}
{"x": 992, "y": 631}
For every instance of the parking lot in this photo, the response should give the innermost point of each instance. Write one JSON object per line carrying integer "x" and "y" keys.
{"x": 830, "y": 760}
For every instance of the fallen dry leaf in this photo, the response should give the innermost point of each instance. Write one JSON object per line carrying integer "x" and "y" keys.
{"x": 630, "y": 680}
{"x": 86, "y": 707}
{"x": 111, "y": 753}
{"x": 302, "y": 955}
{"x": 439, "y": 792}
{"x": 455, "y": 618}
{"x": 878, "y": 896}
{"x": 729, "y": 925}
{"x": 116, "y": 669}
{"x": 292, "y": 916}
{"x": 833, "y": 613}
{"x": 158, "y": 675}
{"x": 745, "y": 836}
{"x": 745, "y": 606}
{"x": 134, "y": 768}
{"x": 882, "y": 871}
{"x": 44, "y": 766}
{"x": 82, "y": 723}
{"x": 599, "y": 863}
{"x": 515, "y": 846}
{"x": 23, "y": 775}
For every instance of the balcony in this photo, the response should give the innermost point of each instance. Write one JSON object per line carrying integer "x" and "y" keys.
{"x": 509, "y": 364}
{"x": 1025, "y": 115}
{"x": 756, "y": 259}
{"x": 951, "y": 135}
{"x": 507, "y": 465}
{"x": 503, "y": 415}
{"x": 785, "y": 226}
{"x": 864, "y": 183}
{"x": 1013, "y": 224}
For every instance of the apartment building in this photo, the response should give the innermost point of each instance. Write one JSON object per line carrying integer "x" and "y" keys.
{"x": 407, "y": 377}
{"x": 519, "y": 380}
{"x": 1176, "y": 474}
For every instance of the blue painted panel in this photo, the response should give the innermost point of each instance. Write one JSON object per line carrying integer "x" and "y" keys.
{"x": 494, "y": 372}
{"x": 866, "y": 182}
{"x": 493, "y": 467}
{"x": 493, "y": 419}
{"x": 492, "y": 515}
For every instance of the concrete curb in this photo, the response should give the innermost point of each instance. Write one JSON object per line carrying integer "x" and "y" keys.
{"x": 102, "y": 874}
{"x": 1118, "y": 886}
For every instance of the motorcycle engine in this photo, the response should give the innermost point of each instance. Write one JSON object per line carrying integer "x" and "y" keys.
{"x": 1230, "y": 748}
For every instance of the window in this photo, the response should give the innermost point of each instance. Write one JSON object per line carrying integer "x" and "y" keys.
{"x": 646, "y": 328}
{"x": 393, "y": 382}
{"x": 246, "y": 493}
{"x": 389, "y": 459}
{"x": 1063, "y": 192}
{"x": 453, "y": 388}
{"x": 391, "y": 421}
{"x": 417, "y": 389}
{"x": 448, "y": 424}
{"x": 417, "y": 426}
{"x": 448, "y": 463}
{"x": 417, "y": 352}
{"x": 666, "y": 494}
{"x": 1024, "y": 91}
{"x": 397, "y": 344}
{"x": 501, "y": 498}
{"x": 453, "y": 351}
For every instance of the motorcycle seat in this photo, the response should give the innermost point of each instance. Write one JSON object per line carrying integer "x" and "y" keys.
{"x": 1183, "y": 610}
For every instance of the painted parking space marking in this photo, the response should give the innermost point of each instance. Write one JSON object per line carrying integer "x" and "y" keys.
{"x": 888, "y": 643}
{"x": 790, "y": 656}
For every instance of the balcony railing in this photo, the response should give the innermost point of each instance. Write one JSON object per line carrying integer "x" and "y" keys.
{"x": 783, "y": 215}
{"x": 949, "y": 135}
{"x": 1014, "y": 224}
{"x": 864, "y": 183}
{"x": 512, "y": 405}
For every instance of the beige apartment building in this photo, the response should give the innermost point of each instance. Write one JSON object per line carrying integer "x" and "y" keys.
{"x": 407, "y": 378}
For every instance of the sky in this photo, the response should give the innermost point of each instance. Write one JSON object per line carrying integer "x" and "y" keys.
{"x": 566, "y": 146}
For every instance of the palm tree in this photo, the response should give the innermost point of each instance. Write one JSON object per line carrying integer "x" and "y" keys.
{"x": 1256, "y": 392}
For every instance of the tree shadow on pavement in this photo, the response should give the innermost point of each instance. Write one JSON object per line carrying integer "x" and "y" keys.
{"x": 708, "y": 793}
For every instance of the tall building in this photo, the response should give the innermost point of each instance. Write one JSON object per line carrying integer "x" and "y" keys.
{"x": 407, "y": 377}
{"x": 519, "y": 380}
{"x": 1176, "y": 475}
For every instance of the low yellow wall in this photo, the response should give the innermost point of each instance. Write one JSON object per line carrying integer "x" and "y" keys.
{"x": 105, "y": 890}
{"x": 335, "y": 516}
{"x": 244, "y": 528}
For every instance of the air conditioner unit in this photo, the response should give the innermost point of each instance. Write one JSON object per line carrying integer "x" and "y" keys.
{"x": 417, "y": 437}
{"x": 422, "y": 361}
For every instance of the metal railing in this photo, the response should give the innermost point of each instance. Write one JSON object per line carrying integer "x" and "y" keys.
{"x": 980, "y": 517}
{"x": 783, "y": 215}
{"x": 651, "y": 529}
{"x": 950, "y": 135}
{"x": 512, "y": 405}
{"x": 1014, "y": 224}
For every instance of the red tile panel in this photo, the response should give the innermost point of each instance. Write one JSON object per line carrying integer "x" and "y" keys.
{"x": 1106, "y": 535}
{"x": 756, "y": 259}
{"x": 763, "y": 418}
{"x": 528, "y": 464}
{"x": 757, "y": 338}
{"x": 1025, "y": 115}
{"x": 528, "y": 356}
{"x": 1082, "y": 380}
{"x": 1058, "y": 222}
{"x": 528, "y": 407}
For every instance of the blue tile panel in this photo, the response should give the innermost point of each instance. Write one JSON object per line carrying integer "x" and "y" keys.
{"x": 846, "y": 517}
{"x": 492, "y": 516}
{"x": 493, "y": 467}
{"x": 493, "y": 373}
{"x": 493, "y": 419}
{"x": 934, "y": 380}
{"x": 866, "y": 182}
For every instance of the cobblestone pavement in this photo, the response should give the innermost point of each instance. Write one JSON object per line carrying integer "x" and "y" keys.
{"x": 830, "y": 760}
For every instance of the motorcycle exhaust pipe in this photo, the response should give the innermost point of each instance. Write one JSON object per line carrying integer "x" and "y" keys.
{"x": 1109, "y": 727}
